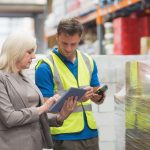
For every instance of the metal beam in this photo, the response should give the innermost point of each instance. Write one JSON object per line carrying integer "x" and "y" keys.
{"x": 22, "y": 8}
{"x": 17, "y": 15}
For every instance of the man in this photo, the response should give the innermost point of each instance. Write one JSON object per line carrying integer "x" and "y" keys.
{"x": 67, "y": 67}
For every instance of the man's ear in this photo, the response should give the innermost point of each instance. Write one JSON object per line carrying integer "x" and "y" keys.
{"x": 57, "y": 37}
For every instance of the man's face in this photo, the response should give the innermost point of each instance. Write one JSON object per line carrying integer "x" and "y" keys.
{"x": 67, "y": 44}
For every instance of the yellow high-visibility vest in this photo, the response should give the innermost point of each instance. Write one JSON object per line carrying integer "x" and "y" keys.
{"x": 63, "y": 80}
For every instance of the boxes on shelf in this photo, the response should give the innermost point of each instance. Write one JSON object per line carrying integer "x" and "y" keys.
{"x": 105, "y": 3}
{"x": 145, "y": 24}
{"x": 127, "y": 34}
{"x": 72, "y": 5}
{"x": 126, "y": 37}
{"x": 145, "y": 45}
{"x": 108, "y": 38}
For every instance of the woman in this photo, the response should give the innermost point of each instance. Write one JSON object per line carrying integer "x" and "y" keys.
{"x": 24, "y": 124}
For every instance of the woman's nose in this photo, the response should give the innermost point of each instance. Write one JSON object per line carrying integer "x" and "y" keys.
{"x": 33, "y": 56}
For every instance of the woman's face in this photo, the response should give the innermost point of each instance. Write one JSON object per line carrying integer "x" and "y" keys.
{"x": 25, "y": 62}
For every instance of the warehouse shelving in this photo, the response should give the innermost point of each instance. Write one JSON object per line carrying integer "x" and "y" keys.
{"x": 101, "y": 12}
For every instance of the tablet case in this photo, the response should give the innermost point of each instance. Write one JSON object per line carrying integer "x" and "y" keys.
{"x": 71, "y": 92}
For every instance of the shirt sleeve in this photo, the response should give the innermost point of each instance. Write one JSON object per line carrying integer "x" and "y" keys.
{"x": 95, "y": 80}
{"x": 44, "y": 80}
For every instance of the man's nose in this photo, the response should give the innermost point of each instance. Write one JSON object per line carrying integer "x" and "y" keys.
{"x": 69, "y": 47}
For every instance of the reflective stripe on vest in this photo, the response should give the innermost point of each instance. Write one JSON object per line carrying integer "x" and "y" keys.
{"x": 57, "y": 80}
{"x": 86, "y": 108}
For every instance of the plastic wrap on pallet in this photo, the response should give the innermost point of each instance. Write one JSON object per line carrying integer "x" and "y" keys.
{"x": 137, "y": 105}
{"x": 132, "y": 108}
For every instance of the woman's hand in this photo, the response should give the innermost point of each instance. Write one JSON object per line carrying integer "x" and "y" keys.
{"x": 48, "y": 103}
{"x": 67, "y": 109}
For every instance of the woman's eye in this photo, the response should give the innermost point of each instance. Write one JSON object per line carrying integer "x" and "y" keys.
{"x": 29, "y": 52}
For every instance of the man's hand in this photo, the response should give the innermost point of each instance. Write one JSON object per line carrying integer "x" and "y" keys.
{"x": 88, "y": 95}
{"x": 98, "y": 99}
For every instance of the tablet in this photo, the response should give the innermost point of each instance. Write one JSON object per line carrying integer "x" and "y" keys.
{"x": 71, "y": 92}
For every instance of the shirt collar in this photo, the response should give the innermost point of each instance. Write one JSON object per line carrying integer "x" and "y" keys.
{"x": 63, "y": 58}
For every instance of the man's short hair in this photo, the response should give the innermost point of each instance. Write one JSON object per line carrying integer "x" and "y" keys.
{"x": 70, "y": 26}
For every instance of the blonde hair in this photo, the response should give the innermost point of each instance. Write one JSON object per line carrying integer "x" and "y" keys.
{"x": 14, "y": 48}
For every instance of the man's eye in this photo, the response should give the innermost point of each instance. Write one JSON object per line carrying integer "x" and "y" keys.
{"x": 73, "y": 44}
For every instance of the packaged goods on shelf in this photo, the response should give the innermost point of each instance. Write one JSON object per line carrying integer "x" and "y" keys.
{"x": 127, "y": 34}
{"x": 108, "y": 27}
{"x": 72, "y": 5}
{"x": 108, "y": 38}
{"x": 90, "y": 48}
{"x": 109, "y": 49}
{"x": 145, "y": 45}
{"x": 90, "y": 42}
{"x": 109, "y": 35}
{"x": 105, "y": 3}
